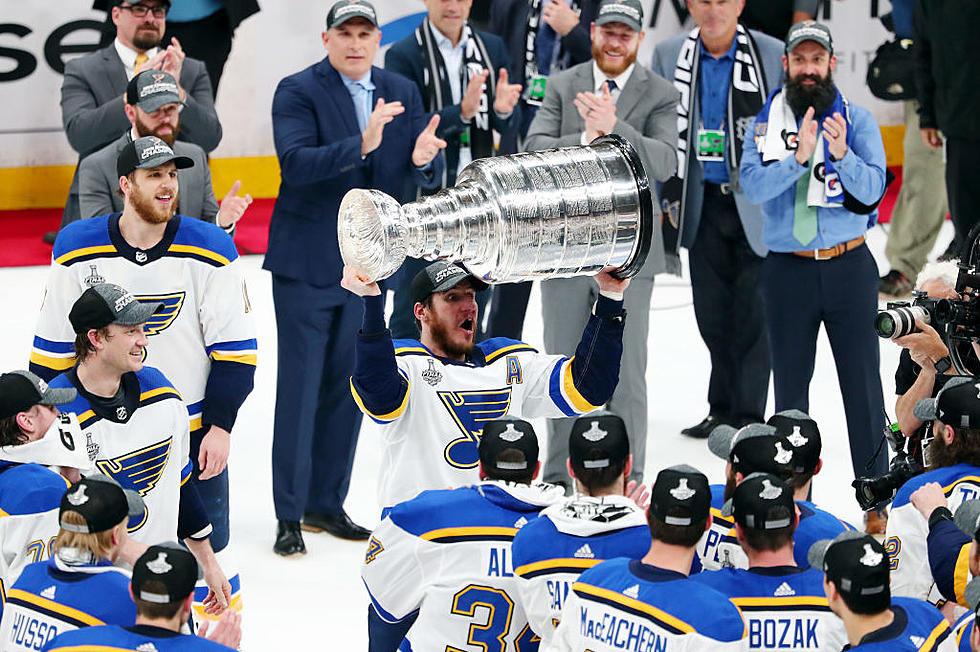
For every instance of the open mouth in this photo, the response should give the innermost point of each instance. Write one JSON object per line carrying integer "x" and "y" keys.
{"x": 467, "y": 325}
{"x": 164, "y": 198}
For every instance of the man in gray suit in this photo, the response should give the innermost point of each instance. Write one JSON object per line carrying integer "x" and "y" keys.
{"x": 92, "y": 91}
{"x": 609, "y": 94}
{"x": 706, "y": 210}
{"x": 153, "y": 109}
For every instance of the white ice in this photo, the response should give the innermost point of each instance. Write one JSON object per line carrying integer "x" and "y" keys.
{"x": 318, "y": 600}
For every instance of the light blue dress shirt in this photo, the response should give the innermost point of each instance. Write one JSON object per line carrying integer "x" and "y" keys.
{"x": 715, "y": 80}
{"x": 362, "y": 92}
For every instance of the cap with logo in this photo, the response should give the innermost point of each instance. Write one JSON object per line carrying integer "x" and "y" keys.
{"x": 967, "y": 518}
{"x": 956, "y": 404}
{"x": 148, "y": 152}
{"x": 809, "y": 30}
{"x": 857, "y": 564}
{"x": 762, "y": 501}
{"x": 802, "y": 432}
{"x": 152, "y": 89}
{"x": 21, "y": 390}
{"x": 107, "y": 303}
{"x": 752, "y": 448}
{"x": 628, "y": 12}
{"x": 165, "y": 573}
{"x": 101, "y": 501}
{"x": 344, "y": 10}
{"x": 598, "y": 440}
{"x": 505, "y": 434}
{"x": 680, "y": 496}
{"x": 439, "y": 277}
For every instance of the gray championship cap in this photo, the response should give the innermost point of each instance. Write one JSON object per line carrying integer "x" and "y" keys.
{"x": 148, "y": 152}
{"x": 102, "y": 503}
{"x": 439, "y": 277}
{"x": 956, "y": 404}
{"x": 809, "y": 30}
{"x": 628, "y": 12}
{"x": 152, "y": 89}
{"x": 165, "y": 573}
{"x": 344, "y": 10}
{"x": 967, "y": 518}
{"x": 21, "y": 390}
{"x": 857, "y": 564}
{"x": 752, "y": 448}
{"x": 107, "y": 303}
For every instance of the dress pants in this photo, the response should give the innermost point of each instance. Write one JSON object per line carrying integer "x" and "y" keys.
{"x": 730, "y": 313}
{"x": 961, "y": 185}
{"x": 566, "y": 305}
{"x": 921, "y": 205}
{"x": 842, "y": 294}
{"x": 316, "y": 419}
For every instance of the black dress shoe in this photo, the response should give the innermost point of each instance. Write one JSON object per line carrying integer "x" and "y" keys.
{"x": 338, "y": 525}
{"x": 289, "y": 540}
{"x": 703, "y": 429}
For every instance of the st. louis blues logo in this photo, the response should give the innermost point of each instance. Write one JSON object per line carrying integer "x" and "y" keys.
{"x": 374, "y": 549}
{"x": 172, "y": 303}
{"x": 140, "y": 471}
{"x": 470, "y": 410}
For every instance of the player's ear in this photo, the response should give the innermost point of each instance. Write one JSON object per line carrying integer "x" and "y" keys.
{"x": 628, "y": 467}
{"x": 537, "y": 470}
{"x": 418, "y": 310}
{"x": 707, "y": 524}
{"x": 483, "y": 474}
{"x": 568, "y": 466}
{"x": 819, "y": 466}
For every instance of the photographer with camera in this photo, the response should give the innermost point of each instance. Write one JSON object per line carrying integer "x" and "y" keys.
{"x": 952, "y": 458}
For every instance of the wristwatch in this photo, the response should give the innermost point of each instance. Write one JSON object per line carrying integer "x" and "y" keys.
{"x": 943, "y": 364}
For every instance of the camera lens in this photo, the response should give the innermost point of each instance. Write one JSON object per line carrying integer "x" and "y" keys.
{"x": 885, "y": 324}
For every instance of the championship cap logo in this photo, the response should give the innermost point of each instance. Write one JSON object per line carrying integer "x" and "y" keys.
{"x": 769, "y": 492}
{"x": 158, "y": 77}
{"x": 870, "y": 558}
{"x": 451, "y": 270}
{"x": 78, "y": 496}
{"x": 797, "y": 439}
{"x": 782, "y": 456}
{"x": 159, "y": 565}
{"x": 595, "y": 433}
{"x": 682, "y": 491}
{"x": 510, "y": 433}
{"x": 41, "y": 385}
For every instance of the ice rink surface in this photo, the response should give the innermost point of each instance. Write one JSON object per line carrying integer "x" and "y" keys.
{"x": 318, "y": 601}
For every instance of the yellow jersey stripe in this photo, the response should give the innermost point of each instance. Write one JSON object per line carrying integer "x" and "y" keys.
{"x": 199, "y": 251}
{"x": 961, "y": 573}
{"x": 3, "y": 513}
{"x": 87, "y": 414}
{"x": 574, "y": 396}
{"x": 469, "y": 531}
{"x": 568, "y": 562}
{"x": 241, "y": 358}
{"x": 936, "y": 633}
{"x": 84, "y": 251}
{"x": 967, "y": 478}
{"x": 159, "y": 391}
{"x": 626, "y": 601}
{"x": 51, "y": 362}
{"x": 197, "y": 423}
{"x": 90, "y": 648}
{"x": 50, "y": 605}
{"x": 508, "y": 349}
{"x": 391, "y": 416}
{"x": 799, "y": 601}
{"x": 411, "y": 349}
{"x": 234, "y": 605}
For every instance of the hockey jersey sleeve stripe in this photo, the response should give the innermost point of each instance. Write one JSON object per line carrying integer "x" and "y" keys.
{"x": 937, "y": 636}
{"x": 158, "y": 394}
{"x": 54, "y": 347}
{"x": 53, "y": 609}
{"x": 549, "y": 566}
{"x": 240, "y": 358}
{"x": 412, "y": 350}
{"x": 961, "y": 574}
{"x": 77, "y": 255}
{"x": 474, "y": 533}
{"x": 508, "y": 349}
{"x": 55, "y": 363}
{"x": 200, "y": 253}
{"x": 389, "y": 416}
{"x": 619, "y": 601}
{"x": 571, "y": 391}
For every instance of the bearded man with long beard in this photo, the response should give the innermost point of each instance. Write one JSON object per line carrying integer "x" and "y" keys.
{"x": 203, "y": 340}
{"x": 609, "y": 94}
{"x": 816, "y": 164}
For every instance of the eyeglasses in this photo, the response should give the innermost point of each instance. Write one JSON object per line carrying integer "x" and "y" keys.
{"x": 140, "y": 11}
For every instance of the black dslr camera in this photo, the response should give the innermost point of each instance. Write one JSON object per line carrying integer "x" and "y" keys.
{"x": 908, "y": 462}
{"x": 898, "y": 320}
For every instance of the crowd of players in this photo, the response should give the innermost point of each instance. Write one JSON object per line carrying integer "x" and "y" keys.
{"x": 111, "y": 447}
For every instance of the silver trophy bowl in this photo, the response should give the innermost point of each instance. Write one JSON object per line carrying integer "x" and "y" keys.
{"x": 556, "y": 213}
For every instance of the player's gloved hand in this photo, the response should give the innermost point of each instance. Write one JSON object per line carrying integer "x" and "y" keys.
{"x": 228, "y": 631}
{"x": 219, "y": 597}
{"x": 355, "y": 281}
{"x": 215, "y": 447}
{"x": 638, "y": 493}
{"x": 927, "y": 498}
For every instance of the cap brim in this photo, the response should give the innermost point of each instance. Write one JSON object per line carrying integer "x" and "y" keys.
{"x": 728, "y": 509}
{"x": 58, "y": 396}
{"x": 138, "y": 313}
{"x": 618, "y": 18}
{"x": 720, "y": 441}
{"x": 967, "y": 517}
{"x": 972, "y": 593}
{"x": 449, "y": 283}
{"x": 926, "y": 409}
{"x": 155, "y": 103}
{"x": 135, "y": 503}
{"x": 791, "y": 45}
{"x": 817, "y": 553}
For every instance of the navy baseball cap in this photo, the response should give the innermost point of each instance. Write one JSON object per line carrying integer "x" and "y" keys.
{"x": 598, "y": 440}
{"x": 802, "y": 432}
{"x": 628, "y": 12}
{"x": 506, "y": 434}
{"x": 148, "y": 152}
{"x": 684, "y": 491}
{"x": 102, "y": 503}
{"x": 439, "y": 277}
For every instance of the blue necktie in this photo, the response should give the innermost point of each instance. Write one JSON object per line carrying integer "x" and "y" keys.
{"x": 545, "y": 47}
{"x": 611, "y": 85}
{"x": 362, "y": 104}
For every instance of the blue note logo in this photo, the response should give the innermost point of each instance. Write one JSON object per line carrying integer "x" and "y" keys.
{"x": 139, "y": 471}
{"x": 470, "y": 410}
{"x": 172, "y": 303}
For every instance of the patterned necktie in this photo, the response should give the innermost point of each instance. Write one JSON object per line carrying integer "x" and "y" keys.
{"x": 804, "y": 216}
{"x": 141, "y": 59}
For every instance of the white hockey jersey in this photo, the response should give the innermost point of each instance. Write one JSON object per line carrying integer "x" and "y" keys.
{"x": 552, "y": 551}
{"x": 431, "y": 438}
{"x": 193, "y": 271}
{"x": 905, "y": 536}
{"x": 447, "y": 554}
{"x": 143, "y": 444}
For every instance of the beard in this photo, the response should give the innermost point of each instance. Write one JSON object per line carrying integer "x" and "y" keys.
{"x": 820, "y": 95}
{"x": 439, "y": 332}
{"x": 610, "y": 69}
{"x": 145, "y": 39}
{"x": 147, "y": 209}
{"x": 144, "y": 130}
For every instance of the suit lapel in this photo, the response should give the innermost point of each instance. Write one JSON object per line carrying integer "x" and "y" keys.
{"x": 335, "y": 91}
{"x": 114, "y": 71}
{"x": 630, "y": 94}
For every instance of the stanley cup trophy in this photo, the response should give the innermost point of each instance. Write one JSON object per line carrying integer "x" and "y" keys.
{"x": 537, "y": 215}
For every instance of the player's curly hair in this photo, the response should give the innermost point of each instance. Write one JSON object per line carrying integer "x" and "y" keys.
{"x": 84, "y": 347}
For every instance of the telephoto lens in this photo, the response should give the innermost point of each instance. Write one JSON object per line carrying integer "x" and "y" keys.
{"x": 898, "y": 322}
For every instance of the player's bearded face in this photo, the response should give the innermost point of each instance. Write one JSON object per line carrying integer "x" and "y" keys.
{"x": 163, "y": 123}
{"x": 451, "y": 326}
{"x": 153, "y": 194}
{"x": 614, "y": 47}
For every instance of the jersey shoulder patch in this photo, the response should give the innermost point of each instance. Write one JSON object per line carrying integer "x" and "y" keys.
{"x": 202, "y": 241}
{"x": 82, "y": 240}
{"x": 30, "y": 489}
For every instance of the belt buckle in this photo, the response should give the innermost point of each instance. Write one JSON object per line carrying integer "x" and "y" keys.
{"x": 725, "y": 188}
{"x": 817, "y": 256}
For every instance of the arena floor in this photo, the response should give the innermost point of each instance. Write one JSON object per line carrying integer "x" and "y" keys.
{"x": 319, "y": 599}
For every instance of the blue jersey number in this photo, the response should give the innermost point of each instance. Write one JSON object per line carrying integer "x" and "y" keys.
{"x": 489, "y": 633}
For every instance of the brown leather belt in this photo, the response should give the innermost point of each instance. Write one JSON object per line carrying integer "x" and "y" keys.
{"x": 831, "y": 252}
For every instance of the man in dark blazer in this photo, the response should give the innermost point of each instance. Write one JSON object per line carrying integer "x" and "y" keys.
{"x": 470, "y": 104}
{"x": 92, "y": 91}
{"x": 339, "y": 124}
{"x": 153, "y": 109}
{"x": 720, "y": 227}
{"x": 578, "y": 106}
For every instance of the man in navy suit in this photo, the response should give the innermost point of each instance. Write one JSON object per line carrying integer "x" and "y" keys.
{"x": 339, "y": 124}
{"x": 462, "y": 75}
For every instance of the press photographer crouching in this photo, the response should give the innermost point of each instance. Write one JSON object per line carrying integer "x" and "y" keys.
{"x": 952, "y": 459}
